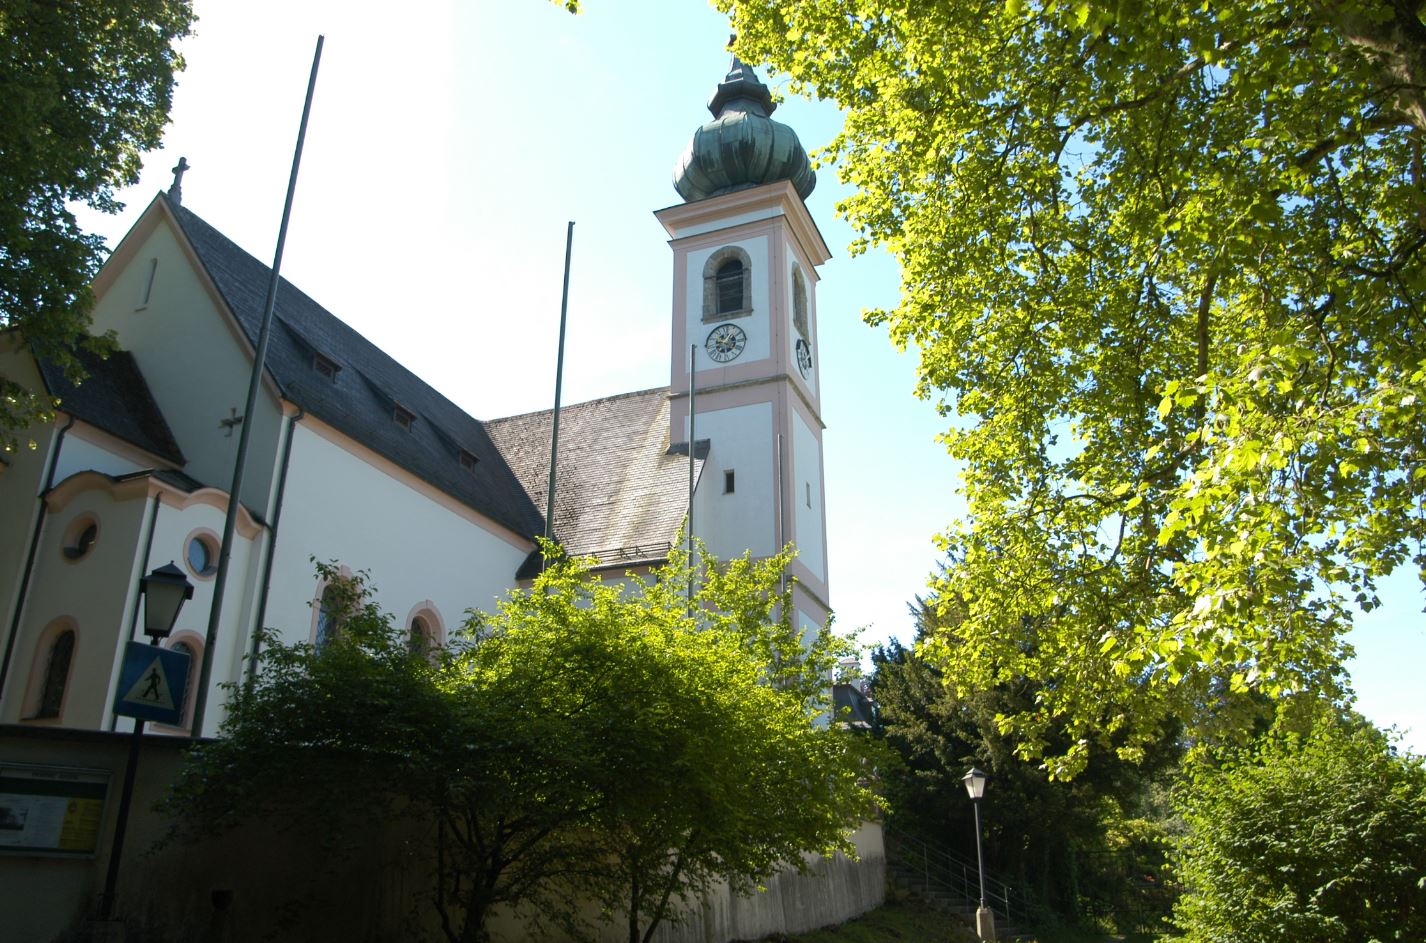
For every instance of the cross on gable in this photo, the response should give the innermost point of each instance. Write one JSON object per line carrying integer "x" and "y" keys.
{"x": 232, "y": 422}
{"x": 175, "y": 192}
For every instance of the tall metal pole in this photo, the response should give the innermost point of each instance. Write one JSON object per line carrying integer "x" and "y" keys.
{"x": 121, "y": 824}
{"x": 692, "y": 413}
{"x": 220, "y": 579}
{"x": 979, "y": 859}
{"x": 559, "y": 383}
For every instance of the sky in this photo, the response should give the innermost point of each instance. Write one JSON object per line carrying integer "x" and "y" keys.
{"x": 449, "y": 144}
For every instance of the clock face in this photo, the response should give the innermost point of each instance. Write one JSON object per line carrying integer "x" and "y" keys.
{"x": 725, "y": 342}
{"x": 804, "y": 358}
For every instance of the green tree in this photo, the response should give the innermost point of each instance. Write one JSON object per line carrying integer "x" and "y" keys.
{"x": 586, "y": 740}
{"x": 710, "y": 758}
{"x": 1071, "y": 843}
{"x": 324, "y": 743}
{"x": 87, "y": 89}
{"x": 1164, "y": 263}
{"x": 1317, "y": 837}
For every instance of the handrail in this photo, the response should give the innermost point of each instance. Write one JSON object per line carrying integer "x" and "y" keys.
{"x": 959, "y": 876}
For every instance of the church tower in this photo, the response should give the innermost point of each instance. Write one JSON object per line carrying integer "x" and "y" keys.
{"x": 745, "y": 257}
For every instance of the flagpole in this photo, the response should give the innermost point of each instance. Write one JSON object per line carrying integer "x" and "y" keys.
{"x": 559, "y": 383}
{"x": 220, "y": 579}
{"x": 692, "y": 412}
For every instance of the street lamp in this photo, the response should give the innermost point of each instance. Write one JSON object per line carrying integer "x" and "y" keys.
{"x": 165, "y": 590}
{"x": 984, "y": 918}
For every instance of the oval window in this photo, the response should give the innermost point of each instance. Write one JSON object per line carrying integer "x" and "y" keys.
{"x": 82, "y": 534}
{"x": 202, "y": 559}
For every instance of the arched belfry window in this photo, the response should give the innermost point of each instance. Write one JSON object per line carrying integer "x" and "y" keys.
{"x": 727, "y": 284}
{"x": 799, "y": 303}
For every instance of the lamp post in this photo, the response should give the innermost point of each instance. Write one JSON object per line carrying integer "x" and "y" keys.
{"x": 164, "y": 590}
{"x": 984, "y": 917}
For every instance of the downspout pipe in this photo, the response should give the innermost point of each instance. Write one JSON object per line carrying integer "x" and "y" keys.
{"x": 272, "y": 548}
{"x": 24, "y": 590}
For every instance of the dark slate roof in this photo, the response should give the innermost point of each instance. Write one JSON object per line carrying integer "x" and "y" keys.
{"x": 368, "y": 387}
{"x": 620, "y": 495}
{"x": 853, "y": 707}
{"x": 116, "y": 398}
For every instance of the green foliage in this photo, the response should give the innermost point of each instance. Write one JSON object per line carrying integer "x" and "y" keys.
{"x": 1319, "y": 838}
{"x": 1164, "y": 262}
{"x": 1081, "y": 847}
{"x": 894, "y": 921}
{"x": 87, "y": 89}
{"x": 585, "y": 740}
{"x": 326, "y": 743}
{"x": 708, "y": 761}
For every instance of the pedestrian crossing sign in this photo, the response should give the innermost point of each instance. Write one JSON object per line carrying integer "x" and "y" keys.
{"x": 153, "y": 683}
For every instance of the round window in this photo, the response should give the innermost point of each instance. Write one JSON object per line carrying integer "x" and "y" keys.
{"x": 79, "y": 539}
{"x": 202, "y": 556}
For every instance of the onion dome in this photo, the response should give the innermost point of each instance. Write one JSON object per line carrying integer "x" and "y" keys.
{"x": 741, "y": 147}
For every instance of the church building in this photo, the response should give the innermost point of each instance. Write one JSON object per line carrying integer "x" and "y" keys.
{"x": 355, "y": 459}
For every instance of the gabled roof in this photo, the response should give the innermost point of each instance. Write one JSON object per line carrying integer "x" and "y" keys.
{"x": 620, "y": 495}
{"x": 114, "y": 398}
{"x": 368, "y": 386}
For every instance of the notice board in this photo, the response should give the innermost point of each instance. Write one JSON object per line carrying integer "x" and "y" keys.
{"x": 53, "y": 810}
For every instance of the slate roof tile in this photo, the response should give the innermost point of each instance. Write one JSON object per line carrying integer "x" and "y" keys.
{"x": 116, "y": 398}
{"x": 619, "y": 496}
{"x": 359, "y": 400}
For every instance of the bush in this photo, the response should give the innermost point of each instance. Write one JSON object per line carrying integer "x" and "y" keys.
{"x": 1316, "y": 837}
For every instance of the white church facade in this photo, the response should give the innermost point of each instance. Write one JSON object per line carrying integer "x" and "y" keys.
{"x": 355, "y": 459}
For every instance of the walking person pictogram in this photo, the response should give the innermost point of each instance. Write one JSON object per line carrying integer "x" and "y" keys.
{"x": 151, "y": 692}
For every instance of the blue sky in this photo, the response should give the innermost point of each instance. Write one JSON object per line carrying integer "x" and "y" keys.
{"x": 450, "y": 142}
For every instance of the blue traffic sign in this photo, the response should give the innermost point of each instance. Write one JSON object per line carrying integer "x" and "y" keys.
{"x": 153, "y": 683}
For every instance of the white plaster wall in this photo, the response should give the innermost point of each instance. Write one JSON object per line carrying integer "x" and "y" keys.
{"x": 78, "y": 454}
{"x": 807, "y": 521}
{"x": 808, "y": 625}
{"x": 171, "y": 532}
{"x": 340, "y": 507}
{"x": 810, "y": 280}
{"x": 755, "y": 325}
{"x": 741, "y": 438}
{"x": 194, "y": 362}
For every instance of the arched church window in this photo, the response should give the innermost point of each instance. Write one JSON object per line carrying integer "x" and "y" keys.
{"x": 799, "y": 303}
{"x": 328, "y": 616}
{"x": 425, "y": 631}
{"x": 420, "y": 641}
{"x": 727, "y": 284}
{"x": 56, "y": 677}
{"x": 194, "y": 650}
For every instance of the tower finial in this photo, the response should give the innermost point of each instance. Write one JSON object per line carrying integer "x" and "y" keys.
{"x": 175, "y": 191}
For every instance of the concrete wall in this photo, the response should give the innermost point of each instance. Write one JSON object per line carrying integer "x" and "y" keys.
{"x": 260, "y": 884}
{"x": 833, "y": 890}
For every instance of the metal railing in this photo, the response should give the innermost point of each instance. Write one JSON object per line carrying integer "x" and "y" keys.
{"x": 957, "y": 877}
